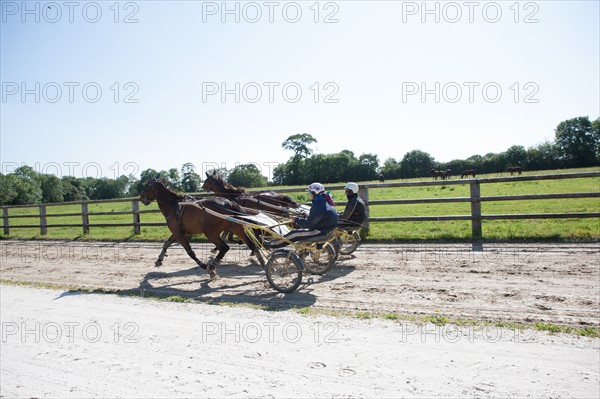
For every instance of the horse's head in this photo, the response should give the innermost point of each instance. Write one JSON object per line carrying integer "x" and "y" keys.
{"x": 149, "y": 191}
{"x": 212, "y": 183}
{"x": 218, "y": 185}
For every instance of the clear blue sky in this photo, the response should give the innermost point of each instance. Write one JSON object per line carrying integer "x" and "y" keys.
{"x": 374, "y": 60}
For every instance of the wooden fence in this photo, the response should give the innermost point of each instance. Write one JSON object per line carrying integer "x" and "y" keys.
{"x": 475, "y": 199}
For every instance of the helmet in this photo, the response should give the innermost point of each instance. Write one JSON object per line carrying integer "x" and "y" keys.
{"x": 352, "y": 187}
{"x": 316, "y": 188}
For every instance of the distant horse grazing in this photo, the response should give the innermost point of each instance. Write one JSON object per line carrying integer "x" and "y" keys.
{"x": 191, "y": 217}
{"x": 514, "y": 169}
{"x": 268, "y": 201}
{"x": 468, "y": 172}
{"x": 436, "y": 173}
{"x": 447, "y": 174}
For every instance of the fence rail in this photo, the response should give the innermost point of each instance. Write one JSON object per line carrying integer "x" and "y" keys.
{"x": 475, "y": 199}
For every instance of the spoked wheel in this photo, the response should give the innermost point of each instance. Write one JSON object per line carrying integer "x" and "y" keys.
{"x": 320, "y": 261}
{"x": 349, "y": 242}
{"x": 337, "y": 244}
{"x": 284, "y": 270}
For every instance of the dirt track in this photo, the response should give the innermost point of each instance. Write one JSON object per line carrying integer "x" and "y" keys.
{"x": 553, "y": 283}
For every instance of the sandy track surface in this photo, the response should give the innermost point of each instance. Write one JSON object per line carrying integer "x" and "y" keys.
{"x": 70, "y": 344}
{"x": 553, "y": 283}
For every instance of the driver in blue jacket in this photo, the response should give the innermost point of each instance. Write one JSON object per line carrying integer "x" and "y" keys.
{"x": 321, "y": 220}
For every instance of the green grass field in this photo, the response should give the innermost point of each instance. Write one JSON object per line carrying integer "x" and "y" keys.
{"x": 531, "y": 229}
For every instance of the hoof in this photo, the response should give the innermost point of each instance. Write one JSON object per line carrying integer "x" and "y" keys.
{"x": 158, "y": 263}
{"x": 213, "y": 262}
{"x": 214, "y": 250}
{"x": 202, "y": 265}
{"x": 252, "y": 253}
{"x": 213, "y": 275}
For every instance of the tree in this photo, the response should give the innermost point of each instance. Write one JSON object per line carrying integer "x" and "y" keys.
{"x": 173, "y": 178}
{"x": 492, "y": 162}
{"x": 596, "y": 134}
{"x": 416, "y": 163}
{"x": 190, "y": 180}
{"x": 391, "y": 169}
{"x": 299, "y": 144}
{"x": 370, "y": 160}
{"x": 72, "y": 189}
{"x": 26, "y": 182}
{"x": 105, "y": 188}
{"x": 26, "y": 172}
{"x": 516, "y": 155}
{"x": 282, "y": 174}
{"x": 28, "y": 190}
{"x": 347, "y": 152}
{"x": 326, "y": 168}
{"x": 369, "y": 164}
{"x": 7, "y": 191}
{"x": 577, "y": 142}
{"x": 52, "y": 189}
{"x": 247, "y": 175}
{"x": 542, "y": 156}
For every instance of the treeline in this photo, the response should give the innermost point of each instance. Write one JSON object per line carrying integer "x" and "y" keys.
{"x": 26, "y": 186}
{"x": 576, "y": 144}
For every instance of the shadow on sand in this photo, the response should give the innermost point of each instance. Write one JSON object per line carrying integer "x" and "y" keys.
{"x": 236, "y": 285}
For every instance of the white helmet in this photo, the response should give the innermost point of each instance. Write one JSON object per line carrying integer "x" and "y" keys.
{"x": 316, "y": 188}
{"x": 352, "y": 187}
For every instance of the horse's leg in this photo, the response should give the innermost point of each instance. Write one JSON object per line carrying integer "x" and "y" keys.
{"x": 254, "y": 250}
{"x": 226, "y": 236}
{"x": 223, "y": 248}
{"x": 214, "y": 250}
{"x": 163, "y": 253}
{"x": 188, "y": 248}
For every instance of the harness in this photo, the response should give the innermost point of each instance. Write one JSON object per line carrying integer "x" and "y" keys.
{"x": 176, "y": 211}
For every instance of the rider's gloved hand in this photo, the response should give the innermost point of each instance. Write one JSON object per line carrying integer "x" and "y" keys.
{"x": 294, "y": 222}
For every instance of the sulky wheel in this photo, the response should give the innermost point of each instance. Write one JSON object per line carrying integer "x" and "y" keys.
{"x": 349, "y": 242}
{"x": 337, "y": 244}
{"x": 319, "y": 261}
{"x": 284, "y": 270}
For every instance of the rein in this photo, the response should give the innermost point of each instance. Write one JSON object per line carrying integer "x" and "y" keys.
{"x": 235, "y": 192}
{"x": 268, "y": 204}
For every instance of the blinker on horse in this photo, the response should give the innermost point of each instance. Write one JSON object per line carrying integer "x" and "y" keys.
{"x": 191, "y": 217}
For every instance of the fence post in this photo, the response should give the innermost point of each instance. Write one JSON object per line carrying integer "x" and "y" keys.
{"x": 43, "y": 221}
{"x": 476, "y": 231}
{"x": 5, "y": 220}
{"x": 135, "y": 208}
{"x": 364, "y": 194}
{"x": 85, "y": 220}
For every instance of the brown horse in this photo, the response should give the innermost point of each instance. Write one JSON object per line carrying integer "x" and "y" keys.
{"x": 468, "y": 172}
{"x": 514, "y": 169}
{"x": 195, "y": 217}
{"x": 436, "y": 173}
{"x": 267, "y": 201}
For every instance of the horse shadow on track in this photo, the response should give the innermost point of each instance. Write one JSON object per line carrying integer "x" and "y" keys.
{"x": 236, "y": 284}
